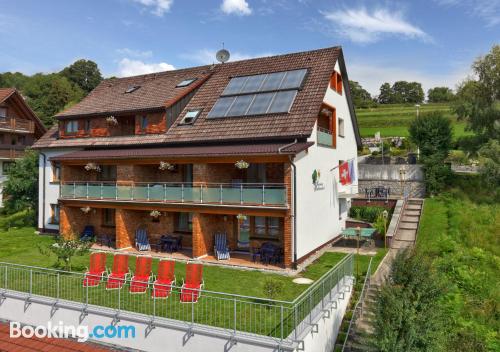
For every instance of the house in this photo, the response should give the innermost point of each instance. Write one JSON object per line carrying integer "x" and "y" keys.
{"x": 250, "y": 148}
{"x": 19, "y": 128}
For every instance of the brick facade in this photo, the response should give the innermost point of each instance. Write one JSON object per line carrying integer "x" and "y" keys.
{"x": 204, "y": 228}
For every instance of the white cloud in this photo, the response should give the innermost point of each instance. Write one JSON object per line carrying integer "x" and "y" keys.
{"x": 207, "y": 56}
{"x": 488, "y": 10}
{"x": 236, "y": 7}
{"x": 362, "y": 26}
{"x": 134, "y": 53}
{"x": 128, "y": 67}
{"x": 158, "y": 7}
{"x": 371, "y": 76}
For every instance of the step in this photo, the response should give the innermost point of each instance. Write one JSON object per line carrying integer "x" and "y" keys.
{"x": 412, "y": 213}
{"x": 413, "y": 207}
{"x": 401, "y": 244}
{"x": 410, "y": 218}
{"x": 415, "y": 201}
{"x": 408, "y": 225}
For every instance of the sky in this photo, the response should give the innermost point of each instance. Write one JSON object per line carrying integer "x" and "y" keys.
{"x": 429, "y": 41}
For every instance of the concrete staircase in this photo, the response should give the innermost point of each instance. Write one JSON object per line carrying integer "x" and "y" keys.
{"x": 406, "y": 235}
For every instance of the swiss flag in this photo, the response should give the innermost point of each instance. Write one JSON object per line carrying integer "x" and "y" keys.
{"x": 345, "y": 176}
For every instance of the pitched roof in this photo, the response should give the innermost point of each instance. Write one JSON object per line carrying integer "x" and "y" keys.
{"x": 5, "y": 93}
{"x": 158, "y": 92}
{"x": 187, "y": 151}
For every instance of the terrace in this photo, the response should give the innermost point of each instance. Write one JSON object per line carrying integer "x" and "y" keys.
{"x": 237, "y": 307}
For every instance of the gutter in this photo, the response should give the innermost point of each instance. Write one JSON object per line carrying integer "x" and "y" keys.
{"x": 294, "y": 203}
{"x": 43, "y": 190}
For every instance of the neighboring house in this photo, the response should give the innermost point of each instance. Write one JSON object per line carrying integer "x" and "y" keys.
{"x": 19, "y": 128}
{"x": 224, "y": 148}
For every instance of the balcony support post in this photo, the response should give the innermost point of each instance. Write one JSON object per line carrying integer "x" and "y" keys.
{"x": 102, "y": 189}
{"x": 201, "y": 193}
{"x": 87, "y": 190}
{"x": 182, "y": 192}
{"x": 263, "y": 194}
{"x": 220, "y": 194}
{"x": 241, "y": 194}
{"x": 148, "y": 192}
{"x": 164, "y": 192}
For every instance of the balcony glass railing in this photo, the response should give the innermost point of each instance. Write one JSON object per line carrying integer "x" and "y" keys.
{"x": 254, "y": 194}
{"x": 324, "y": 137}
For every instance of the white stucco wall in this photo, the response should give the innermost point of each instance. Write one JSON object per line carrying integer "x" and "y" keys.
{"x": 318, "y": 209}
{"x": 3, "y": 178}
{"x": 51, "y": 188}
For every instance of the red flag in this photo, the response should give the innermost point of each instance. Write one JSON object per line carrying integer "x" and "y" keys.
{"x": 345, "y": 176}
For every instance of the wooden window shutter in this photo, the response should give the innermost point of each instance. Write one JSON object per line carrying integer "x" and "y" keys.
{"x": 339, "y": 83}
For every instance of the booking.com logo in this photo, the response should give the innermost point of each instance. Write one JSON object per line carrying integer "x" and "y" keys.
{"x": 81, "y": 332}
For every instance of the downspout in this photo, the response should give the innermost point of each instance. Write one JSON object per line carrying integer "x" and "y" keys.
{"x": 294, "y": 202}
{"x": 43, "y": 190}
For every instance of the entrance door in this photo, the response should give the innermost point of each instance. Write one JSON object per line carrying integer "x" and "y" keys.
{"x": 244, "y": 234}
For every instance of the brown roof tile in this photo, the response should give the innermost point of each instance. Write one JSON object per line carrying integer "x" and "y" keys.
{"x": 187, "y": 151}
{"x": 157, "y": 90}
{"x": 5, "y": 93}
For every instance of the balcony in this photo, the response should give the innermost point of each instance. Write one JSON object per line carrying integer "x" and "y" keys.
{"x": 8, "y": 151}
{"x": 324, "y": 137}
{"x": 17, "y": 125}
{"x": 243, "y": 194}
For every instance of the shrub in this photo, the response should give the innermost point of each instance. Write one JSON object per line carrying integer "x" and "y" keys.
{"x": 273, "y": 288}
{"x": 19, "y": 219}
{"x": 366, "y": 213}
{"x": 65, "y": 250}
{"x": 458, "y": 157}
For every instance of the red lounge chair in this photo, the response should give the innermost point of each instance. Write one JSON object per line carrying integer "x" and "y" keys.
{"x": 119, "y": 273}
{"x": 162, "y": 287}
{"x": 142, "y": 275}
{"x": 194, "y": 282}
{"x": 96, "y": 271}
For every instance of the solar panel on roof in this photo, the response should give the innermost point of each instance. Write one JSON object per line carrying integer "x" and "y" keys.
{"x": 259, "y": 94}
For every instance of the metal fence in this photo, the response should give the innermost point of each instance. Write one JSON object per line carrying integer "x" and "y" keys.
{"x": 282, "y": 320}
{"x": 209, "y": 193}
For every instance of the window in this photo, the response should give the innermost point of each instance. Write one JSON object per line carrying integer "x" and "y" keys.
{"x": 267, "y": 226}
{"x": 56, "y": 172}
{"x": 6, "y": 166}
{"x": 54, "y": 214}
{"x": 186, "y": 82}
{"x": 144, "y": 123}
{"x": 1, "y": 138}
{"x": 108, "y": 217}
{"x": 71, "y": 126}
{"x": 3, "y": 113}
{"x": 108, "y": 173}
{"x": 336, "y": 82}
{"x": 13, "y": 140}
{"x": 132, "y": 89}
{"x": 21, "y": 140}
{"x": 184, "y": 222}
{"x": 190, "y": 117}
{"x": 87, "y": 126}
{"x": 341, "y": 127}
{"x": 259, "y": 94}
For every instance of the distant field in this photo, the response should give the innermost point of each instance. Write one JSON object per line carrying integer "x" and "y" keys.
{"x": 393, "y": 119}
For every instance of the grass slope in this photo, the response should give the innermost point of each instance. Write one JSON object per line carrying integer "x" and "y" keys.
{"x": 393, "y": 119}
{"x": 460, "y": 232}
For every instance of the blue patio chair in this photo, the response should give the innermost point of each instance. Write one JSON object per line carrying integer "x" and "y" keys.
{"x": 220, "y": 248}
{"x": 88, "y": 233}
{"x": 141, "y": 240}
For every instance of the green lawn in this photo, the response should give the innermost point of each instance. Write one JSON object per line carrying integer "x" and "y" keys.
{"x": 460, "y": 232}
{"x": 393, "y": 119}
{"x": 255, "y": 315}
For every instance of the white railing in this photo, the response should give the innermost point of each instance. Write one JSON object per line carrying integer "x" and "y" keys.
{"x": 281, "y": 320}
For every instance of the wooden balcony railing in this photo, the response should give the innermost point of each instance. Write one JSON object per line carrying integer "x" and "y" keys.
{"x": 21, "y": 125}
{"x": 13, "y": 152}
{"x": 247, "y": 194}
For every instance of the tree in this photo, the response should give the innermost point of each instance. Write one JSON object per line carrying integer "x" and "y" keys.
{"x": 433, "y": 135}
{"x": 408, "y": 311}
{"x": 440, "y": 95}
{"x": 84, "y": 73}
{"x": 65, "y": 250}
{"x": 49, "y": 94}
{"x": 490, "y": 164}
{"x": 385, "y": 96}
{"x": 21, "y": 187}
{"x": 359, "y": 95}
{"x": 478, "y": 100}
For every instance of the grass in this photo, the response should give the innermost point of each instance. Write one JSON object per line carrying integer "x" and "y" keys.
{"x": 460, "y": 233}
{"x": 255, "y": 315}
{"x": 393, "y": 119}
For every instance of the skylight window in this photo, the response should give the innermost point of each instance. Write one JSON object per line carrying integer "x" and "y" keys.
{"x": 190, "y": 117}
{"x": 186, "y": 82}
{"x": 259, "y": 94}
{"x": 131, "y": 89}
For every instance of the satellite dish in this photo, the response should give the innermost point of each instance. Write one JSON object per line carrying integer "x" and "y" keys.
{"x": 222, "y": 55}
